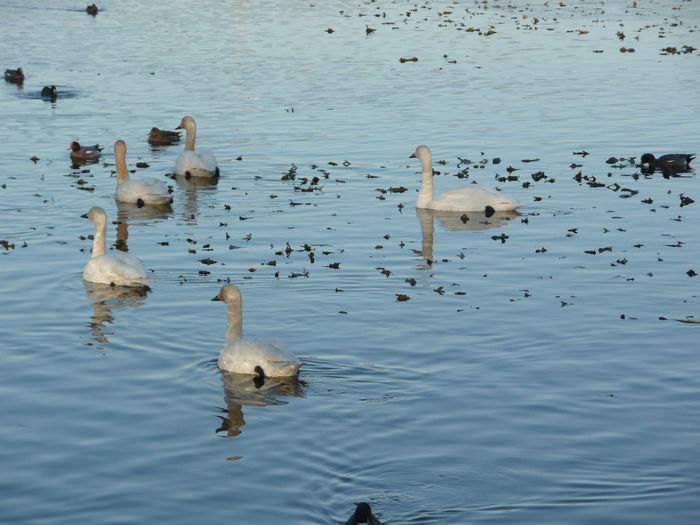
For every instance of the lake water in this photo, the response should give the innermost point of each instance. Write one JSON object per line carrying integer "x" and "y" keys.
{"x": 527, "y": 368}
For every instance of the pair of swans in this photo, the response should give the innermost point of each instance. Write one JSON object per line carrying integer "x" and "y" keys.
{"x": 262, "y": 357}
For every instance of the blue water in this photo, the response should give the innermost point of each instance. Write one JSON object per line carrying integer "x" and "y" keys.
{"x": 536, "y": 373}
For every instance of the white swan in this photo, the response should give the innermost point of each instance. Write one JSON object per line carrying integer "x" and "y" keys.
{"x": 118, "y": 268}
{"x": 472, "y": 197}
{"x": 190, "y": 162}
{"x": 263, "y": 357}
{"x": 137, "y": 191}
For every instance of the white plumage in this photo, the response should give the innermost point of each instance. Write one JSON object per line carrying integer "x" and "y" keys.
{"x": 117, "y": 268}
{"x": 193, "y": 163}
{"x": 137, "y": 191}
{"x": 472, "y": 197}
{"x": 267, "y": 357}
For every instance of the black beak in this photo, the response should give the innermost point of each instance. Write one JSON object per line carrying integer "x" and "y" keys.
{"x": 216, "y": 298}
{"x": 178, "y": 127}
{"x": 413, "y": 156}
{"x": 85, "y": 216}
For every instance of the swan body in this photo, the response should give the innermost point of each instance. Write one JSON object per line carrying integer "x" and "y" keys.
{"x": 79, "y": 152}
{"x": 266, "y": 357}
{"x": 139, "y": 191}
{"x": 193, "y": 163}
{"x": 363, "y": 515}
{"x": 473, "y": 197}
{"x": 672, "y": 161}
{"x": 118, "y": 268}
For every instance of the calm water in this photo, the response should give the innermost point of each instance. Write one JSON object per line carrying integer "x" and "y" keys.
{"x": 537, "y": 372}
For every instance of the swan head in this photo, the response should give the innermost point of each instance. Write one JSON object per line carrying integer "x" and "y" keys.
{"x": 119, "y": 148}
{"x": 96, "y": 214}
{"x": 229, "y": 294}
{"x": 422, "y": 153}
{"x": 188, "y": 124}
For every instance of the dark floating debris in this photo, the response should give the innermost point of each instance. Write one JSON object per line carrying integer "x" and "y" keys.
{"x": 92, "y": 10}
{"x": 685, "y": 201}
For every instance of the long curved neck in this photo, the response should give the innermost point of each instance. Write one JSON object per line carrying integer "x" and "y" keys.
{"x": 234, "y": 330}
{"x": 190, "y": 135}
{"x": 426, "y": 188}
{"x": 122, "y": 172}
{"x": 99, "y": 244}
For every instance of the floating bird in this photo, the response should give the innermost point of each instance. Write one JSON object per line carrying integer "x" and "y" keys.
{"x": 672, "y": 161}
{"x": 138, "y": 191}
{"x": 363, "y": 515}
{"x": 16, "y": 76}
{"x": 92, "y": 10}
{"x": 472, "y": 197}
{"x": 82, "y": 153}
{"x": 190, "y": 162}
{"x": 118, "y": 268}
{"x": 262, "y": 357}
{"x": 161, "y": 136}
{"x": 49, "y": 92}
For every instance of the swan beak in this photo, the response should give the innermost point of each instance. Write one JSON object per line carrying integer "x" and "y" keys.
{"x": 85, "y": 216}
{"x": 216, "y": 298}
{"x": 178, "y": 127}
{"x": 413, "y": 156}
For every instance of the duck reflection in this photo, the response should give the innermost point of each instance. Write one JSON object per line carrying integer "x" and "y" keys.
{"x": 247, "y": 390}
{"x": 456, "y": 221}
{"x": 193, "y": 188}
{"x": 106, "y": 298}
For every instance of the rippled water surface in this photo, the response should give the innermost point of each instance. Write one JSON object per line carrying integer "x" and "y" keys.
{"x": 522, "y": 368}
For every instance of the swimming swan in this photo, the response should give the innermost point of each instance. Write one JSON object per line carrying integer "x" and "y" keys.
{"x": 118, "y": 268}
{"x": 472, "y": 197}
{"x": 138, "y": 191}
{"x": 363, "y": 515}
{"x": 264, "y": 357}
{"x": 190, "y": 162}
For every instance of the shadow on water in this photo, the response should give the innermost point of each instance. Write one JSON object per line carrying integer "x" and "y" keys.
{"x": 246, "y": 390}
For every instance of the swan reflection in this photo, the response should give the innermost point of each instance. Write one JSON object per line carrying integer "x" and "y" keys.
{"x": 247, "y": 390}
{"x": 192, "y": 189}
{"x": 456, "y": 221}
{"x": 106, "y": 298}
{"x": 130, "y": 213}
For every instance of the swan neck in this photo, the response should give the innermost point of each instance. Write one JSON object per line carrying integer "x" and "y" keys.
{"x": 99, "y": 244}
{"x": 426, "y": 188}
{"x": 122, "y": 172}
{"x": 234, "y": 329}
{"x": 190, "y": 135}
